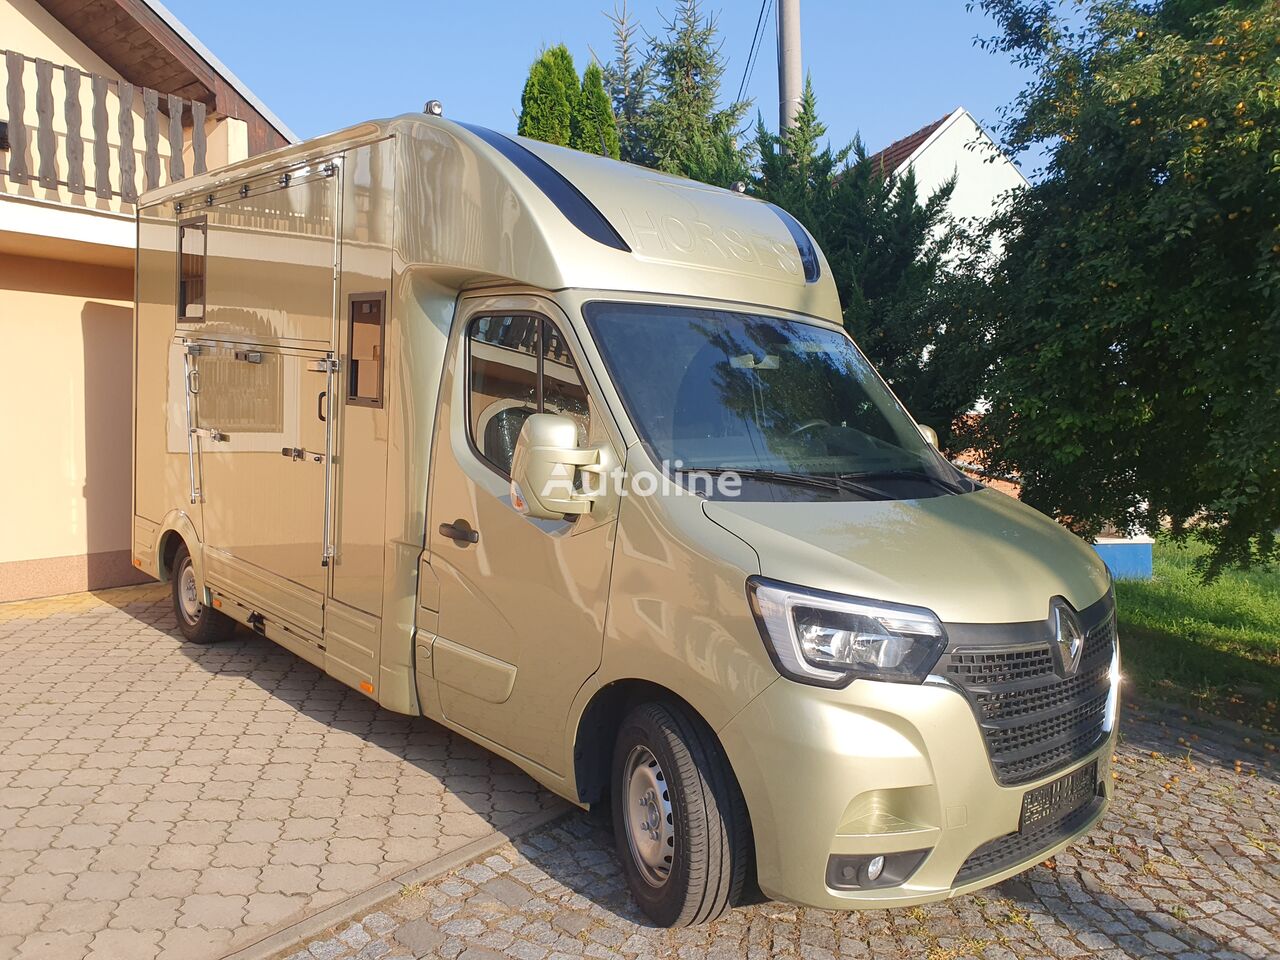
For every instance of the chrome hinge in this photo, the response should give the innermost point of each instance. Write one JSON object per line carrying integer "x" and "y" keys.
{"x": 249, "y": 356}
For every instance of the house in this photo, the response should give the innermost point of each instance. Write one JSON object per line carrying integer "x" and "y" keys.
{"x": 99, "y": 100}
{"x": 954, "y": 145}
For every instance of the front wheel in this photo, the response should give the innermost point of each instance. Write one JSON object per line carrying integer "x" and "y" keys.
{"x": 199, "y": 623}
{"x": 679, "y": 819}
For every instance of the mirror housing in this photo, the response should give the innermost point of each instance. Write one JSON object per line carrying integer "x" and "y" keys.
{"x": 929, "y": 434}
{"x": 544, "y": 467}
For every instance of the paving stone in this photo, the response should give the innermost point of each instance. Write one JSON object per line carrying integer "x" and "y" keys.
{"x": 1128, "y": 891}
{"x": 184, "y": 801}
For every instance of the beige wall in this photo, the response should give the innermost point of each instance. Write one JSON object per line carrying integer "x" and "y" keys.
{"x": 65, "y": 428}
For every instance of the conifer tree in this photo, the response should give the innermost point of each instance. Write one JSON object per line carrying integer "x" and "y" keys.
{"x": 592, "y": 125}
{"x": 687, "y": 132}
{"x": 544, "y": 105}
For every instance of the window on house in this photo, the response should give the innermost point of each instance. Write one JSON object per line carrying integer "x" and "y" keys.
{"x": 192, "y": 237}
{"x": 367, "y": 343}
{"x": 519, "y": 365}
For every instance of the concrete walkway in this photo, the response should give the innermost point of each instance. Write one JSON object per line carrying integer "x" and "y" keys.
{"x": 161, "y": 799}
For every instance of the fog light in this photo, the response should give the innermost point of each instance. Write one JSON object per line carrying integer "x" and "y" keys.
{"x": 861, "y": 871}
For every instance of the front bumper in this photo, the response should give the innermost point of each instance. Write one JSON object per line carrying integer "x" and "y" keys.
{"x": 873, "y": 769}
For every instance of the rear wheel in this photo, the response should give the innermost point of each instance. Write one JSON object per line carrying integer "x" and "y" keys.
{"x": 199, "y": 623}
{"x": 679, "y": 819}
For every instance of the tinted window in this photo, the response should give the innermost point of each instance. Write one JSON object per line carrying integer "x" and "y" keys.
{"x": 721, "y": 390}
{"x": 519, "y": 365}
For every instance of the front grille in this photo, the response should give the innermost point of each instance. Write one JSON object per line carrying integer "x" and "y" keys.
{"x": 1003, "y": 852}
{"x": 1034, "y": 721}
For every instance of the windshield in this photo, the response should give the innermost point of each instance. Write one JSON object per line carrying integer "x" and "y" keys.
{"x": 719, "y": 390}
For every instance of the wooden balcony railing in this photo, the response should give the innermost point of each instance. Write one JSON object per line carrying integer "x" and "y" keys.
{"x": 52, "y": 142}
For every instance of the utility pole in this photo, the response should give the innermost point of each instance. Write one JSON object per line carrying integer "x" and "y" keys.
{"x": 790, "y": 74}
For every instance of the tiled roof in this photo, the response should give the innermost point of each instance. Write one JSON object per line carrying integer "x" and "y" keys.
{"x": 888, "y": 160}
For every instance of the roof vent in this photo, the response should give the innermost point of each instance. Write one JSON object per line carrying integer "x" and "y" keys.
{"x": 434, "y": 108}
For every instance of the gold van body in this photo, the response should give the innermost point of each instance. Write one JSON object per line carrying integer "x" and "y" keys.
{"x": 305, "y": 430}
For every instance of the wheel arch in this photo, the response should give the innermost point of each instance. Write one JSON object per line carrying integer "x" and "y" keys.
{"x": 177, "y": 529}
{"x": 597, "y": 728}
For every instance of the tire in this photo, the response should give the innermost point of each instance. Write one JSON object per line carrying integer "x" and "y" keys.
{"x": 198, "y": 623}
{"x": 679, "y": 820}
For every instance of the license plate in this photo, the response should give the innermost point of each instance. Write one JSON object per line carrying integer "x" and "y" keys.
{"x": 1059, "y": 798}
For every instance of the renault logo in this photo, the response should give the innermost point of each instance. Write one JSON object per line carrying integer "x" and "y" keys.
{"x": 1068, "y": 637}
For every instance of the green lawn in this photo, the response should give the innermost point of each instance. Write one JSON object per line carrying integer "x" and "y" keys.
{"x": 1215, "y": 646}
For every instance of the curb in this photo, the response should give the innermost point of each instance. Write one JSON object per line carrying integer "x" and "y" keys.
{"x": 310, "y": 926}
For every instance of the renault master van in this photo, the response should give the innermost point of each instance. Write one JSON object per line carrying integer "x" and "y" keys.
{"x": 576, "y": 459}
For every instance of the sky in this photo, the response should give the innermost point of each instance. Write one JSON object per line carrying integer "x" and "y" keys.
{"x": 882, "y": 68}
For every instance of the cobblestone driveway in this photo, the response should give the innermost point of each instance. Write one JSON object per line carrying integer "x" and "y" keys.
{"x": 1186, "y": 865}
{"x": 163, "y": 799}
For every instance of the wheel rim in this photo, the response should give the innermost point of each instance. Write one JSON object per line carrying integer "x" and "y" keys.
{"x": 649, "y": 820}
{"x": 188, "y": 599}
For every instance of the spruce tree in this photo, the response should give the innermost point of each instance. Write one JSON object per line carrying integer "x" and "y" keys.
{"x": 592, "y": 126}
{"x": 687, "y": 134}
{"x": 628, "y": 79}
{"x": 544, "y": 105}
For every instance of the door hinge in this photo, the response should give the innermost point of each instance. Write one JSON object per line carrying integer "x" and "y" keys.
{"x": 327, "y": 365}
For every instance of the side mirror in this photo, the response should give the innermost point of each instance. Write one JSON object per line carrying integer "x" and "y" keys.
{"x": 545, "y": 465}
{"x": 930, "y": 435}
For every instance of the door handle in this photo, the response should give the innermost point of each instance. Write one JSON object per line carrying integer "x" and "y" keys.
{"x": 461, "y": 531}
{"x": 320, "y": 406}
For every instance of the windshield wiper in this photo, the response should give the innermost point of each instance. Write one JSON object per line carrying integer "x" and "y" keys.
{"x": 905, "y": 474}
{"x": 825, "y": 481}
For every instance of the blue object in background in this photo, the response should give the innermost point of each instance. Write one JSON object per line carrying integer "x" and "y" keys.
{"x": 1128, "y": 559}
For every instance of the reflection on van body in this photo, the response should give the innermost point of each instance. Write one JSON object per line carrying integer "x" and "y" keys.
{"x": 381, "y": 380}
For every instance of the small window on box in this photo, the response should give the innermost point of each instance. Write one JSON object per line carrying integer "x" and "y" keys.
{"x": 366, "y": 344}
{"x": 191, "y": 266}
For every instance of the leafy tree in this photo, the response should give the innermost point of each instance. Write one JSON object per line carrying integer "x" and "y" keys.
{"x": 687, "y": 133}
{"x": 628, "y": 78}
{"x": 908, "y": 277}
{"x": 544, "y": 105}
{"x": 1137, "y": 304}
{"x": 592, "y": 127}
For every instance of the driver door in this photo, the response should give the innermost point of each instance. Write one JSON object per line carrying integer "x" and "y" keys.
{"x": 522, "y": 601}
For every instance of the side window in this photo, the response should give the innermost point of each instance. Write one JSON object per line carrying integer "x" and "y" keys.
{"x": 562, "y": 388}
{"x": 191, "y": 266}
{"x": 367, "y": 341}
{"x": 519, "y": 365}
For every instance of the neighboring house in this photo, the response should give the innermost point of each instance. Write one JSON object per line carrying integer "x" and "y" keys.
{"x": 955, "y": 145}
{"x": 99, "y": 100}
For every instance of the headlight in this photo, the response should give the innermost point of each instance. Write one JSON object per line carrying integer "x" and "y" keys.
{"x": 829, "y": 640}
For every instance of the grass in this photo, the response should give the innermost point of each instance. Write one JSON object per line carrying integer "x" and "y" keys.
{"x": 1214, "y": 646}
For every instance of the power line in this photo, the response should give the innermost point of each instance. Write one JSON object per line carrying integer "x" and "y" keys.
{"x": 752, "y": 54}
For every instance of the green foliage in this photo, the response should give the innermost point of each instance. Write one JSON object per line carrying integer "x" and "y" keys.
{"x": 592, "y": 127}
{"x": 628, "y": 79}
{"x": 561, "y": 62}
{"x": 544, "y": 105}
{"x": 906, "y": 274}
{"x": 1136, "y": 319}
{"x": 686, "y": 133}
